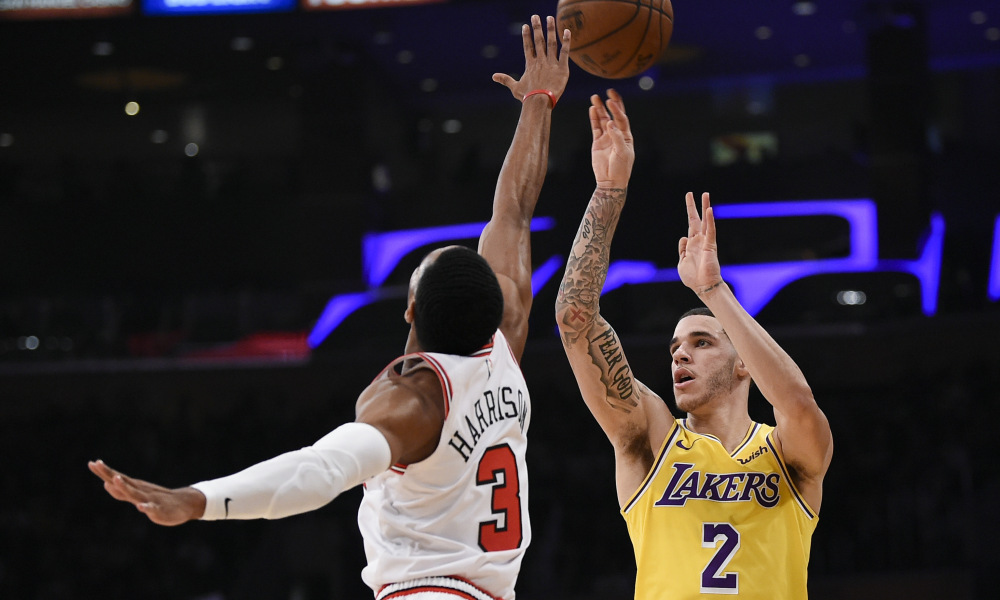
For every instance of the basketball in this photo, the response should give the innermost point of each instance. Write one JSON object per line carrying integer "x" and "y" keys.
{"x": 615, "y": 39}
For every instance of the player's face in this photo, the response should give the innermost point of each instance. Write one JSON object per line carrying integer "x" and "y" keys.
{"x": 703, "y": 362}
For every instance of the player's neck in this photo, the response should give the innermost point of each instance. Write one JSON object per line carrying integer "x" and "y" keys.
{"x": 729, "y": 424}
{"x": 412, "y": 345}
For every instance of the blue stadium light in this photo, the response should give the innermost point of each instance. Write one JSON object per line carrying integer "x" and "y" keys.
{"x": 994, "y": 286}
{"x": 381, "y": 254}
{"x": 194, "y": 7}
{"x": 342, "y": 306}
{"x": 860, "y": 214}
{"x": 544, "y": 273}
{"x": 755, "y": 284}
{"x": 927, "y": 268}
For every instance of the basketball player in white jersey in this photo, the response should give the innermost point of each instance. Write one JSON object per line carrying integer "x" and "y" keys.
{"x": 714, "y": 503}
{"x": 439, "y": 437}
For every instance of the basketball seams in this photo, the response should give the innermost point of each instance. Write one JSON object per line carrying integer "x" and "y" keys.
{"x": 613, "y": 32}
{"x": 642, "y": 40}
{"x": 629, "y": 47}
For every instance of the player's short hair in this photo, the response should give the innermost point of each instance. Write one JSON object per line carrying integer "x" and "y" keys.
{"x": 458, "y": 304}
{"x": 700, "y": 310}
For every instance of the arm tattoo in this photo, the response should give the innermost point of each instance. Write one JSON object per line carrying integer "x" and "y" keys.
{"x": 710, "y": 288}
{"x": 587, "y": 265}
{"x": 606, "y": 352}
{"x": 580, "y": 291}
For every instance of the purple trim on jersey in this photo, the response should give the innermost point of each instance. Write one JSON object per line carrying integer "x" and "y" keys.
{"x": 791, "y": 484}
{"x": 753, "y": 432}
{"x": 684, "y": 424}
{"x": 664, "y": 450}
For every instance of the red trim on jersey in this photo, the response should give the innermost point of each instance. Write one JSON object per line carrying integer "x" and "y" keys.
{"x": 429, "y": 588}
{"x": 511, "y": 352}
{"x": 475, "y": 586}
{"x": 442, "y": 377}
{"x": 442, "y": 589}
{"x": 392, "y": 364}
{"x": 485, "y": 349}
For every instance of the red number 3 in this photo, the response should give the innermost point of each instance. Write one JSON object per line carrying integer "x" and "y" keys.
{"x": 506, "y": 500}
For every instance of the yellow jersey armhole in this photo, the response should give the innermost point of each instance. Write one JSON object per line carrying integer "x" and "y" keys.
{"x": 808, "y": 510}
{"x": 657, "y": 463}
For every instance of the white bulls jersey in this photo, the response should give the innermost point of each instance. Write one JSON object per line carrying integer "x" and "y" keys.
{"x": 462, "y": 511}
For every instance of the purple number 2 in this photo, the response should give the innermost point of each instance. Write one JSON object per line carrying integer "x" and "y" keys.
{"x": 713, "y": 580}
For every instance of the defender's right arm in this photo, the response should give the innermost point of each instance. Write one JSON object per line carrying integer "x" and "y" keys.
{"x": 631, "y": 415}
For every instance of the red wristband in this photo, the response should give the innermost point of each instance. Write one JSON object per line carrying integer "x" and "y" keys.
{"x": 551, "y": 96}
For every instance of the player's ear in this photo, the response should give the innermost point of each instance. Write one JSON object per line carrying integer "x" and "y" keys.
{"x": 740, "y": 368}
{"x": 409, "y": 312}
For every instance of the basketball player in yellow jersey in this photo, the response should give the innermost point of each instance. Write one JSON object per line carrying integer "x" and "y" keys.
{"x": 714, "y": 503}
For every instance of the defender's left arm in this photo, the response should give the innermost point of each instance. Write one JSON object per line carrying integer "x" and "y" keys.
{"x": 506, "y": 241}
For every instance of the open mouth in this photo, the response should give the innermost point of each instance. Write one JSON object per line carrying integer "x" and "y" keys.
{"x": 682, "y": 376}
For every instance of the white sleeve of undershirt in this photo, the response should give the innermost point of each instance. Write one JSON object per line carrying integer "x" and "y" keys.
{"x": 299, "y": 481}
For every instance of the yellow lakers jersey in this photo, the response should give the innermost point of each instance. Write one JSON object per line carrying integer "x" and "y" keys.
{"x": 708, "y": 522}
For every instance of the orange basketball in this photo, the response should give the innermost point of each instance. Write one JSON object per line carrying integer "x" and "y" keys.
{"x": 616, "y": 39}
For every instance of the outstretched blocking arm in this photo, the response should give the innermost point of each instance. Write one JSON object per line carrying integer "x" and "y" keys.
{"x": 506, "y": 240}
{"x": 627, "y": 411}
{"x": 288, "y": 484}
{"x": 392, "y": 418}
{"x": 802, "y": 431}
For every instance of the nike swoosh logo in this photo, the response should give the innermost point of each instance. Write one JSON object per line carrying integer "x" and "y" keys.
{"x": 228, "y": 500}
{"x": 680, "y": 444}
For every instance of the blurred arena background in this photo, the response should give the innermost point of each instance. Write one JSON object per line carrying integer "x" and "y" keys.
{"x": 193, "y": 205}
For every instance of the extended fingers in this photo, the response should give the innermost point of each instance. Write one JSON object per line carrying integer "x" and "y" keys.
{"x": 617, "y": 107}
{"x": 528, "y": 41}
{"x": 121, "y": 489}
{"x": 709, "y": 217}
{"x": 119, "y": 485}
{"x": 538, "y": 34}
{"x": 552, "y": 40}
{"x": 598, "y": 116}
{"x": 99, "y": 468}
{"x": 694, "y": 221}
{"x": 567, "y": 40}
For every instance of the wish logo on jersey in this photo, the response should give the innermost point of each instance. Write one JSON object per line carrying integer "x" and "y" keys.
{"x": 755, "y": 454}
{"x": 687, "y": 484}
